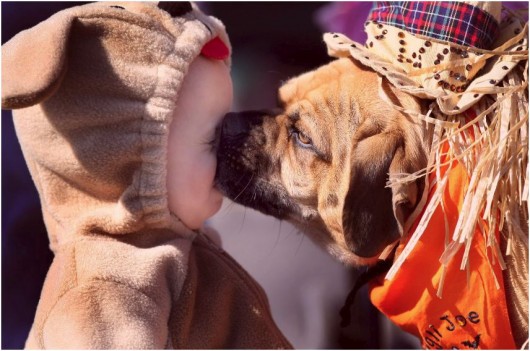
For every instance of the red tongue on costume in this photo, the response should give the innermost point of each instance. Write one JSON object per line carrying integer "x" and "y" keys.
{"x": 215, "y": 49}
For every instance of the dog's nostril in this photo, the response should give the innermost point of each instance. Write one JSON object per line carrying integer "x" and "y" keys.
{"x": 240, "y": 123}
{"x": 236, "y": 123}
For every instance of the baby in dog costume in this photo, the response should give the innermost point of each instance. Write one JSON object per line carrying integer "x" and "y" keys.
{"x": 116, "y": 106}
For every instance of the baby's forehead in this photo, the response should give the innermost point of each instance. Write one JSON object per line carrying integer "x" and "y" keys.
{"x": 204, "y": 97}
{"x": 208, "y": 71}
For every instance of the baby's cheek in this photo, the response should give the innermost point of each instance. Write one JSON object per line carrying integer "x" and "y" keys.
{"x": 204, "y": 171}
{"x": 215, "y": 201}
{"x": 201, "y": 198}
{"x": 204, "y": 99}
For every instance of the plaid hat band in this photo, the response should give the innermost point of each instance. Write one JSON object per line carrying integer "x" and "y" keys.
{"x": 449, "y": 21}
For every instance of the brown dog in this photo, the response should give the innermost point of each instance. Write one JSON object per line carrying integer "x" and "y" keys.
{"x": 323, "y": 160}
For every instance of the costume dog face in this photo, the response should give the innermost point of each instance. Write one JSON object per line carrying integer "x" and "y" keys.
{"x": 323, "y": 159}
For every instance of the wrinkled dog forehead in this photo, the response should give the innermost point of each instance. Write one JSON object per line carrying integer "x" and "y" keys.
{"x": 344, "y": 81}
{"x": 296, "y": 88}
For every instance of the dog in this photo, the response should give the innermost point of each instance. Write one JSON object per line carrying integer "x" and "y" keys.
{"x": 323, "y": 158}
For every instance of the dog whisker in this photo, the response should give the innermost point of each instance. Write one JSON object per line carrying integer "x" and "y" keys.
{"x": 245, "y": 188}
{"x": 279, "y": 234}
{"x": 226, "y": 210}
{"x": 242, "y": 220}
{"x": 300, "y": 244}
{"x": 294, "y": 230}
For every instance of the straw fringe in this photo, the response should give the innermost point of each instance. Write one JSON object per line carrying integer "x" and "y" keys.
{"x": 493, "y": 147}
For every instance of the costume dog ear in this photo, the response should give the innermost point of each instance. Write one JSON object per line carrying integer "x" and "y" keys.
{"x": 34, "y": 62}
{"x": 374, "y": 214}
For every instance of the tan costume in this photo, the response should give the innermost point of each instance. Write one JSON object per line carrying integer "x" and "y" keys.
{"x": 95, "y": 88}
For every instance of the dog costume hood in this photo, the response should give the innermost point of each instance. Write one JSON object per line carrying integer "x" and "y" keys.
{"x": 94, "y": 88}
{"x": 471, "y": 66}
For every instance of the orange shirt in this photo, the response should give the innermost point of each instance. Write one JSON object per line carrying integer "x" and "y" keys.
{"x": 466, "y": 317}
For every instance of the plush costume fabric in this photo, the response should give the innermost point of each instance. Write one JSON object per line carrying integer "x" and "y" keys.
{"x": 95, "y": 88}
{"x": 461, "y": 59}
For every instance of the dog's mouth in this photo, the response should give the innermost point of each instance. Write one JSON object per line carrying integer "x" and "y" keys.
{"x": 244, "y": 170}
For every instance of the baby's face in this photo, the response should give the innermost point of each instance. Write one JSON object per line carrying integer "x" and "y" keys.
{"x": 204, "y": 98}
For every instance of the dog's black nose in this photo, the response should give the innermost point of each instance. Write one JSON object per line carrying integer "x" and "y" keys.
{"x": 240, "y": 123}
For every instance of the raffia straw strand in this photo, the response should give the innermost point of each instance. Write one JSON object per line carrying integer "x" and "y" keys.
{"x": 495, "y": 158}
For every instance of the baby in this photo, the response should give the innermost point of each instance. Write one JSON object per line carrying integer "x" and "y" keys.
{"x": 116, "y": 108}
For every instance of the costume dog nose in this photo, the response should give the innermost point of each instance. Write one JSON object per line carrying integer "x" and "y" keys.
{"x": 239, "y": 123}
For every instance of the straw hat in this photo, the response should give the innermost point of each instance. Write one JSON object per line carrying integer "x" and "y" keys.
{"x": 418, "y": 46}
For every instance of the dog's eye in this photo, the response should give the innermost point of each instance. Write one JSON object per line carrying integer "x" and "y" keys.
{"x": 302, "y": 139}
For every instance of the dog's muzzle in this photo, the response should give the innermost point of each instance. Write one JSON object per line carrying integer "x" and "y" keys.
{"x": 234, "y": 124}
{"x": 238, "y": 124}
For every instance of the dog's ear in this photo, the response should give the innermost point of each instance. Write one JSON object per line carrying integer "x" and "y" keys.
{"x": 374, "y": 214}
{"x": 409, "y": 158}
{"x": 34, "y": 62}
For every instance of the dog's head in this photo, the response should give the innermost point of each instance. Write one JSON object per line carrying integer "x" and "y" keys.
{"x": 322, "y": 160}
